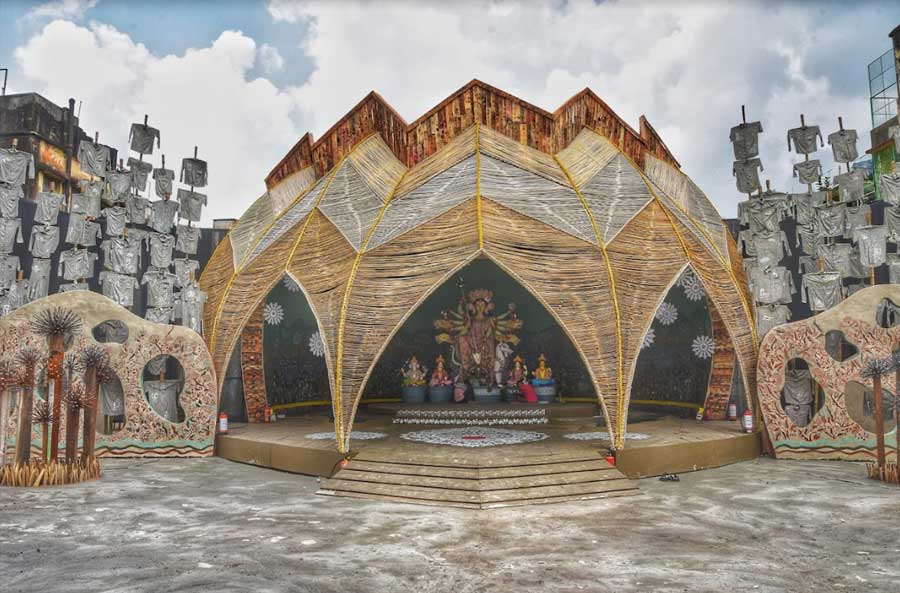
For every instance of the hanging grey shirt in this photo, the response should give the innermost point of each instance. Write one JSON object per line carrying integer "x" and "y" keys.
{"x": 183, "y": 270}
{"x": 112, "y": 399}
{"x": 136, "y": 209}
{"x": 163, "y": 398}
{"x": 119, "y": 287}
{"x": 857, "y": 216}
{"x": 843, "y": 145}
{"x": 890, "y": 188}
{"x": 93, "y": 189}
{"x": 48, "y": 205}
{"x": 851, "y": 185}
{"x": 140, "y": 171}
{"x": 10, "y": 234}
{"x": 836, "y": 258}
{"x": 745, "y": 140}
{"x": 747, "y": 174}
{"x": 140, "y": 235}
{"x": 808, "y": 172}
{"x": 192, "y": 301}
{"x": 9, "y": 267}
{"x": 822, "y": 290}
{"x": 798, "y": 387}
{"x": 93, "y": 158}
{"x": 9, "y": 201}
{"x": 831, "y": 220}
{"x": 16, "y": 296}
{"x": 804, "y": 139}
{"x": 764, "y": 217}
{"x": 161, "y": 246}
{"x": 187, "y": 239}
{"x": 162, "y": 215}
{"x": 773, "y": 284}
{"x": 122, "y": 255}
{"x": 160, "y": 288}
{"x": 43, "y": 241}
{"x": 86, "y": 204}
{"x": 806, "y": 263}
{"x": 769, "y": 316}
{"x": 872, "y": 241}
{"x": 193, "y": 172}
{"x": 120, "y": 184}
{"x": 805, "y": 205}
{"x": 190, "y": 204}
{"x": 15, "y": 167}
{"x": 116, "y": 217}
{"x": 164, "y": 315}
{"x": 857, "y": 270}
{"x": 77, "y": 264}
{"x": 142, "y": 137}
{"x": 39, "y": 279}
{"x": 771, "y": 245}
{"x": 163, "y": 185}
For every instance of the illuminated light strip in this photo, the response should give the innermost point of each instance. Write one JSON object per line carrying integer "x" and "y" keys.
{"x": 256, "y": 242}
{"x": 478, "y": 186}
{"x": 620, "y": 379}
{"x": 345, "y": 303}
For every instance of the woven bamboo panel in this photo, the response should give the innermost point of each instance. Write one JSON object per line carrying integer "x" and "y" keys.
{"x": 460, "y": 148}
{"x": 646, "y": 257}
{"x": 567, "y": 275}
{"x": 321, "y": 266}
{"x": 252, "y": 364}
{"x": 213, "y": 281}
{"x": 287, "y": 220}
{"x": 390, "y": 282}
{"x": 290, "y": 188}
{"x": 737, "y": 265}
{"x": 718, "y": 392}
{"x": 377, "y": 165}
{"x": 248, "y": 289}
{"x": 440, "y": 194}
{"x": 350, "y": 204}
{"x": 299, "y": 157}
{"x": 534, "y": 196}
{"x": 725, "y": 297}
{"x": 587, "y": 110}
{"x": 615, "y": 195}
{"x": 520, "y": 155}
{"x": 254, "y": 221}
{"x": 671, "y": 181}
{"x": 586, "y": 155}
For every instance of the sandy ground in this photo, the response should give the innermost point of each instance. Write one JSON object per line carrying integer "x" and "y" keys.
{"x": 215, "y": 526}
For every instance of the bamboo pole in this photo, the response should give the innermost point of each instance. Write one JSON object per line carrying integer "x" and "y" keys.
{"x": 54, "y": 374}
{"x": 90, "y": 414}
{"x": 4, "y": 418}
{"x": 23, "y": 439}
{"x": 879, "y": 422}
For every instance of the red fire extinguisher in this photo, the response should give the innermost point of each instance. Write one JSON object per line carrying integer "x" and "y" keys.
{"x": 747, "y": 421}
{"x": 223, "y": 423}
{"x": 732, "y": 411}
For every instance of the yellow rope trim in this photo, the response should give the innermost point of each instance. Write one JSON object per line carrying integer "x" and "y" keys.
{"x": 257, "y": 241}
{"x": 620, "y": 379}
{"x": 345, "y": 303}
{"x": 306, "y": 222}
{"x": 478, "y": 186}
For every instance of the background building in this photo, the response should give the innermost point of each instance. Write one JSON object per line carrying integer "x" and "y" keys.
{"x": 883, "y": 100}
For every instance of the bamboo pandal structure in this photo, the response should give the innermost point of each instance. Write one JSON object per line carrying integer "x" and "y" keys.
{"x": 594, "y": 219}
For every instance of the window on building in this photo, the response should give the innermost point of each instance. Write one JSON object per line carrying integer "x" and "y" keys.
{"x": 883, "y": 88}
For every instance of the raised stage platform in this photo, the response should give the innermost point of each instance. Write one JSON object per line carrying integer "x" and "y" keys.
{"x": 549, "y": 470}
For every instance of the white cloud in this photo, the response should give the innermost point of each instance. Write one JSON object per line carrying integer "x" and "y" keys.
{"x": 270, "y": 59}
{"x": 687, "y": 66}
{"x": 203, "y": 97}
{"x": 61, "y": 9}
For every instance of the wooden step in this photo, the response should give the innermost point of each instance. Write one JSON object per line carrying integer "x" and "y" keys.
{"x": 482, "y": 473}
{"x": 416, "y": 492}
{"x": 474, "y": 484}
{"x": 540, "y": 492}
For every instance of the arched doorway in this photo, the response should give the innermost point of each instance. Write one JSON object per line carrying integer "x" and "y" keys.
{"x": 537, "y": 334}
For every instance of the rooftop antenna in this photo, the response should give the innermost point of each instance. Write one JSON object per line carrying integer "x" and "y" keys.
{"x": 5, "y": 75}
{"x": 743, "y": 114}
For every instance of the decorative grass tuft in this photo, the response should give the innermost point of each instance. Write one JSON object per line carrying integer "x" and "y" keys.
{"x": 56, "y": 322}
{"x": 56, "y": 473}
{"x": 43, "y": 413}
{"x": 77, "y": 399}
{"x": 877, "y": 367}
{"x": 92, "y": 357}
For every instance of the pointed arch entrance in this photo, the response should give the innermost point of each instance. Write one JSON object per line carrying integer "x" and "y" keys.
{"x": 540, "y": 334}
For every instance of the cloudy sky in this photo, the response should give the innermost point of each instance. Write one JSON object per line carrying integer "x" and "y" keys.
{"x": 245, "y": 79}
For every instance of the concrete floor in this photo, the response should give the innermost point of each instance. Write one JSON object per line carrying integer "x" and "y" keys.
{"x": 215, "y": 526}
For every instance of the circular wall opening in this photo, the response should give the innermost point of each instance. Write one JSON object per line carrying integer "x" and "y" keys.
{"x": 111, "y": 330}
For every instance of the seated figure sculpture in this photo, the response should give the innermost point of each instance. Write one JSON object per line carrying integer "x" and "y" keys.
{"x": 439, "y": 376}
{"x": 518, "y": 381}
{"x": 543, "y": 375}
